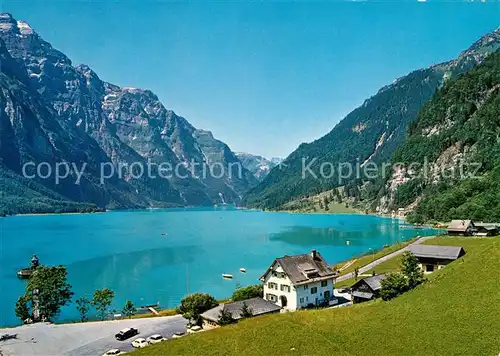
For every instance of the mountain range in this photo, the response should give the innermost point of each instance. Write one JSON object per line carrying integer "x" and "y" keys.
{"x": 258, "y": 165}
{"x": 53, "y": 111}
{"x": 370, "y": 133}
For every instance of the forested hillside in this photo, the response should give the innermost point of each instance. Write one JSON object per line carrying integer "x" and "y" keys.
{"x": 369, "y": 133}
{"x": 458, "y": 134}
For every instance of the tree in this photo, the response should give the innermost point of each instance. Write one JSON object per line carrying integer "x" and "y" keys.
{"x": 83, "y": 307}
{"x": 52, "y": 291}
{"x": 246, "y": 312}
{"x": 193, "y": 305}
{"x": 102, "y": 300}
{"x": 22, "y": 311}
{"x": 129, "y": 309}
{"x": 394, "y": 285}
{"x": 411, "y": 270}
{"x": 225, "y": 318}
{"x": 326, "y": 202}
{"x": 244, "y": 293}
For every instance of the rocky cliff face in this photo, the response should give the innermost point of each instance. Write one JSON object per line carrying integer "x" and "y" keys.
{"x": 77, "y": 117}
{"x": 451, "y": 157}
{"x": 370, "y": 133}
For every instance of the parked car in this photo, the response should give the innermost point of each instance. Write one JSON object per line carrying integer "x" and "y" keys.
{"x": 124, "y": 334}
{"x": 113, "y": 352}
{"x": 194, "y": 329}
{"x": 140, "y": 343}
{"x": 156, "y": 338}
{"x": 178, "y": 335}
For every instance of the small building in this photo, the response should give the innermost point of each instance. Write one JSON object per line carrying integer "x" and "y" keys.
{"x": 486, "y": 229}
{"x": 367, "y": 288}
{"x": 434, "y": 257}
{"x": 461, "y": 228}
{"x": 257, "y": 306}
{"x": 300, "y": 281}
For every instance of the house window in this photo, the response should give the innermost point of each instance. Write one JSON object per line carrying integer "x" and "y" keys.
{"x": 272, "y": 285}
{"x": 285, "y": 288}
{"x": 324, "y": 283}
{"x": 306, "y": 286}
{"x": 307, "y": 299}
{"x": 314, "y": 290}
{"x": 271, "y": 297}
{"x": 429, "y": 268}
{"x": 301, "y": 300}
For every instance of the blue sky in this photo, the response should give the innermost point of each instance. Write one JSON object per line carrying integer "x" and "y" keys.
{"x": 263, "y": 77}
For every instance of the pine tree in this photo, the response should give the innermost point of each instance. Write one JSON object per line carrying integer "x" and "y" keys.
{"x": 83, "y": 307}
{"x": 225, "y": 318}
{"x": 129, "y": 309}
{"x": 411, "y": 270}
{"x": 246, "y": 312}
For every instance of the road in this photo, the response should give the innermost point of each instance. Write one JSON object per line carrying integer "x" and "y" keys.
{"x": 382, "y": 259}
{"x": 82, "y": 339}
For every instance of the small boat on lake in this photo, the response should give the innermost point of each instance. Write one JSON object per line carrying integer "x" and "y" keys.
{"x": 243, "y": 270}
{"x": 227, "y": 276}
{"x": 25, "y": 273}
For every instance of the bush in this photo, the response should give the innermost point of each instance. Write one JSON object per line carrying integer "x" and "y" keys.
{"x": 244, "y": 293}
{"x": 193, "y": 305}
{"x": 395, "y": 284}
{"x": 22, "y": 311}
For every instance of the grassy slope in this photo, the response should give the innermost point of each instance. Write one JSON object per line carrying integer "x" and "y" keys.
{"x": 369, "y": 257}
{"x": 455, "y": 313}
{"x": 394, "y": 264}
{"x": 315, "y": 204}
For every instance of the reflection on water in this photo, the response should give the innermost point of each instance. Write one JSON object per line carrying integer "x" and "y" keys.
{"x": 302, "y": 235}
{"x": 332, "y": 236}
{"x": 126, "y": 270}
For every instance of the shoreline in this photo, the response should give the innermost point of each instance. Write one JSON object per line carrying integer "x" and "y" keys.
{"x": 171, "y": 311}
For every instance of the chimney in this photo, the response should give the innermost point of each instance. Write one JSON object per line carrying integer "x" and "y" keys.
{"x": 313, "y": 254}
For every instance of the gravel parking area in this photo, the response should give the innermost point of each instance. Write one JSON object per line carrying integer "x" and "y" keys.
{"x": 93, "y": 338}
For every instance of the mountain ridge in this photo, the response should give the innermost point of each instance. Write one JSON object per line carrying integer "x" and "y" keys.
{"x": 120, "y": 126}
{"x": 370, "y": 133}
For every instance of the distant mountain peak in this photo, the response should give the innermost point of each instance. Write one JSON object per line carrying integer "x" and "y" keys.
{"x": 257, "y": 165}
{"x": 24, "y": 28}
{"x": 9, "y": 24}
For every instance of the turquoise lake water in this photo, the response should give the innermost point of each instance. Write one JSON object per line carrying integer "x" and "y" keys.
{"x": 127, "y": 251}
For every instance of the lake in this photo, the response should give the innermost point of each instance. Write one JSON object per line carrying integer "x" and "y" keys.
{"x": 161, "y": 255}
